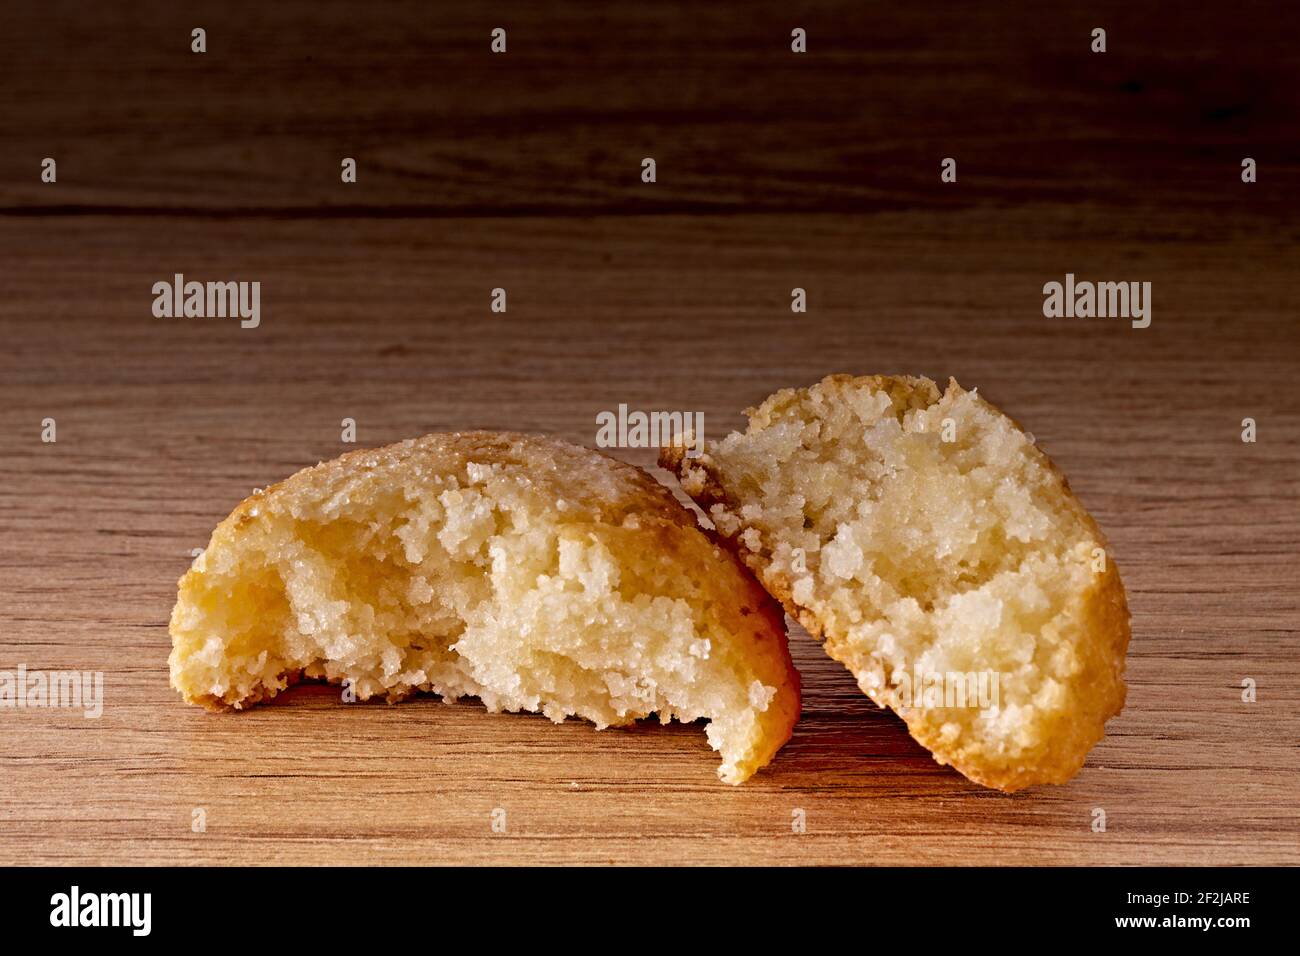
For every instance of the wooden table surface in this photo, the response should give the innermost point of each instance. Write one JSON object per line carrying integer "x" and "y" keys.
{"x": 522, "y": 172}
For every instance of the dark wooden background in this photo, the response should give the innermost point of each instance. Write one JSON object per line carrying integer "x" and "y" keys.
{"x": 522, "y": 171}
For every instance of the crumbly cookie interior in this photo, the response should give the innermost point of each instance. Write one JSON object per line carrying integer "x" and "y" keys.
{"x": 481, "y": 580}
{"x": 927, "y": 539}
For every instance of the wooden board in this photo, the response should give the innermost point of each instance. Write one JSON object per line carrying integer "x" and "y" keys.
{"x": 773, "y": 175}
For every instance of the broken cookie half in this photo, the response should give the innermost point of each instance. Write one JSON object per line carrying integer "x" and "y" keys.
{"x": 527, "y": 572}
{"x": 940, "y": 556}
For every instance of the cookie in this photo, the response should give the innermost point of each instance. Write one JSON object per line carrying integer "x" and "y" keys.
{"x": 940, "y": 556}
{"x": 530, "y": 573}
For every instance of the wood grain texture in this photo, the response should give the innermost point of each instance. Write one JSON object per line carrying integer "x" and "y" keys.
{"x": 775, "y": 175}
{"x": 559, "y": 124}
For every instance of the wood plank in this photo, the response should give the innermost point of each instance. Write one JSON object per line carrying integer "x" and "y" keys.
{"x": 163, "y": 425}
{"x": 560, "y": 123}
